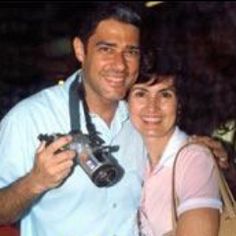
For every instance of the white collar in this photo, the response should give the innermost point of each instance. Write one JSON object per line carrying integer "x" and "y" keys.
{"x": 175, "y": 142}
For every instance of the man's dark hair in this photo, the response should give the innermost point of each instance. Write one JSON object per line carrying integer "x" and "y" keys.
{"x": 122, "y": 12}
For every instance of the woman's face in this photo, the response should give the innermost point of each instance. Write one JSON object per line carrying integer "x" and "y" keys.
{"x": 153, "y": 108}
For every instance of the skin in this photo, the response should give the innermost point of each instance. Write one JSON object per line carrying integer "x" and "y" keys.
{"x": 217, "y": 149}
{"x": 203, "y": 221}
{"x": 153, "y": 111}
{"x": 49, "y": 171}
{"x": 110, "y": 64}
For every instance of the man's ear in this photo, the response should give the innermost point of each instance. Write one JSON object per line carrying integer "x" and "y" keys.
{"x": 79, "y": 49}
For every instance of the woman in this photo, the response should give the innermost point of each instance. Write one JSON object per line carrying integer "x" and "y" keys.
{"x": 157, "y": 105}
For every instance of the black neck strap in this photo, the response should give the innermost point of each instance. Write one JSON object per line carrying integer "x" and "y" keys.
{"x": 76, "y": 94}
{"x": 74, "y": 108}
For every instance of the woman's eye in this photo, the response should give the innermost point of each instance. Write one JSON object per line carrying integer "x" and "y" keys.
{"x": 166, "y": 94}
{"x": 139, "y": 94}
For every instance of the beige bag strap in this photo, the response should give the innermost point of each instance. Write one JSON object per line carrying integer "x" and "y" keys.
{"x": 175, "y": 201}
{"x": 225, "y": 192}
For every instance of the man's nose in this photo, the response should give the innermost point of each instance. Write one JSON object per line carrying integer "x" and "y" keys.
{"x": 120, "y": 61}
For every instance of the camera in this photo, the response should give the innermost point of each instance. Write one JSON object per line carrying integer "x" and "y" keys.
{"x": 97, "y": 161}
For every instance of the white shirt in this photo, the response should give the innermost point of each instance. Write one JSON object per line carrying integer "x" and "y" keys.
{"x": 78, "y": 207}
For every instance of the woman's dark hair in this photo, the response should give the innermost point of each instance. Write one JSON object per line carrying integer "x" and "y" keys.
{"x": 122, "y": 12}
{"x": 197, "y": 92}
{"x": 157, "y": 64}
{"x": 207, "y": 43}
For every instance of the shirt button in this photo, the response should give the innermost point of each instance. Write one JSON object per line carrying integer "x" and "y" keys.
{"x": 114, "y": 206}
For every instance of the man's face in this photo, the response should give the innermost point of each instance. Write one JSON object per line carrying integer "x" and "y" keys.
{"x": 110, "y": 61}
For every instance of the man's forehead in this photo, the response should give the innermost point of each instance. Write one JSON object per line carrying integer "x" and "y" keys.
{"x": 115, "y": 32}
{"x": 111, "y": 25}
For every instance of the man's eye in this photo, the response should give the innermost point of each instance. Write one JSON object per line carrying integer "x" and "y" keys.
{"x": 105, "y": 50}
{"x": 132, "y": 53}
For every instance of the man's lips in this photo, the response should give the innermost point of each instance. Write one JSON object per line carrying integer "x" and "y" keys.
{"x": 116, "y": 81}
{"x": 151, "y": 119}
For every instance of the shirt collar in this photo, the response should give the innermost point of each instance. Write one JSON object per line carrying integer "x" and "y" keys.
{"x": 176, "y": 141}
{"x": 122, "y": 110}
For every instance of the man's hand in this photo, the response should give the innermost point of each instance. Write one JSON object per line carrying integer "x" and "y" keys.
{"x": 216, "y": 147}
{"x": 52, "y": 167}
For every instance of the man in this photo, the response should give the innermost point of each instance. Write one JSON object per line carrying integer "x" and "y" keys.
{"x": 44, "y": 189}
{"x": 50, "y": 194}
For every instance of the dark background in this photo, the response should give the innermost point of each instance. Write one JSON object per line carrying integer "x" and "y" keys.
{"x": 35, "y": 39}
{"x": 35, "y": 46}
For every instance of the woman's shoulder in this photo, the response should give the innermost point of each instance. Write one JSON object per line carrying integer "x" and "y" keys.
{"x": 195, "y": 156}
{"x": 193, "y": 150}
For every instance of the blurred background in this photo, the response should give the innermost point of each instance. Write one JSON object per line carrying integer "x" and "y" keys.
{"x": 35, "y": 39}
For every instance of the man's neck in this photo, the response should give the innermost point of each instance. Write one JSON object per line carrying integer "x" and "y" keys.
{"x": 105, "y": 109}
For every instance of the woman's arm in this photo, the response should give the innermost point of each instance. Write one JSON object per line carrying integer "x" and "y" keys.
{"x": 199, "y": 222}
{"x": 198, "y": 192}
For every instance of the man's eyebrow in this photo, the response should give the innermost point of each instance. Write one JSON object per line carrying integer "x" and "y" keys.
{"x": 133, "y": 47}
{"x": 104, "y": 43}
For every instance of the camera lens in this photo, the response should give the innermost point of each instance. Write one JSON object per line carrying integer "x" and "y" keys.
{"x": 105, "y": 176}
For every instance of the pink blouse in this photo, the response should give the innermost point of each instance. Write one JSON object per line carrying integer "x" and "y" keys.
{"x": 196, "y": 185}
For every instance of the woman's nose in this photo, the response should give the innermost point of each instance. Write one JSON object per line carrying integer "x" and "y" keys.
{"x": 153, "y": 104}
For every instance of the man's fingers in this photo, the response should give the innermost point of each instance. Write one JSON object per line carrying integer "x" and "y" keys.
{"x": 59, "y": 143}
{"x": 64, "y": 156}
{"x": 215, "y": 146}
{"x": 223, "y": 163}
{"x": 41, "y": 147}
{"x": 210, "y": 142}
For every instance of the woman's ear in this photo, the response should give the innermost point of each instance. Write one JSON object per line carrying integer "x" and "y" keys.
{"x": 79, "y": 49}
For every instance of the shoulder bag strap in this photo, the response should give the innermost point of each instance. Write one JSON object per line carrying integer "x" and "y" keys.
{"x": 225, "y": 192}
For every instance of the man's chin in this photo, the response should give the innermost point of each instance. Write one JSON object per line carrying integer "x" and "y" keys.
{"x": 116, "y": 96}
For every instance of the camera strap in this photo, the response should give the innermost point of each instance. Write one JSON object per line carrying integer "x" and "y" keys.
{"x": 77, "y": 94}
{"x": 74, "y": 108}
{"x": 108, "y": 171}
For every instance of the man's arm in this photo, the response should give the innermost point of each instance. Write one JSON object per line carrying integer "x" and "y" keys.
{"x": 16, "y": 198}
{"x": 217, "y": 148}
{"x": 49, "y": 171}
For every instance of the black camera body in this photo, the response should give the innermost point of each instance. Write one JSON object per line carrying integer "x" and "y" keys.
{"x": 97, "y": 161}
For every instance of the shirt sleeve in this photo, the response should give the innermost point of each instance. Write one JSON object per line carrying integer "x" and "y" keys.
{"x": 196, "y": 179}
{"x": 15, "y": 147}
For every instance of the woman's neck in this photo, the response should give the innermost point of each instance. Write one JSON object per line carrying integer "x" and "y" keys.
{"x": 155, "y": 147}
